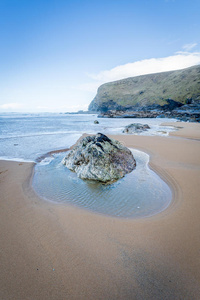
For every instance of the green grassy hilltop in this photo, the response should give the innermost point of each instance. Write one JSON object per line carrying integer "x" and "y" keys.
{"x": 151, "y": 91}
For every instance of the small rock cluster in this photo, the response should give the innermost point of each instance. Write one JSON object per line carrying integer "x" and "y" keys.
{"x": 136, "y": 128}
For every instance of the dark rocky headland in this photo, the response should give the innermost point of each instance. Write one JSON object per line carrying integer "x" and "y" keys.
{"x": 174, "y": 94}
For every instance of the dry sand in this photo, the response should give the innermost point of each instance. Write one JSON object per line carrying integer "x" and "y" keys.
{"x": 52, "y": 251}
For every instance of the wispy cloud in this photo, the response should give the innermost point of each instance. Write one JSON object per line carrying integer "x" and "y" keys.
{"x": 10, "y": 106}
{"x": 179, "y": 60}
{"x": 189, "y": 47}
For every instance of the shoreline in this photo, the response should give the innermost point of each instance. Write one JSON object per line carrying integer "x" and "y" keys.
{"x": 51, "y": 251}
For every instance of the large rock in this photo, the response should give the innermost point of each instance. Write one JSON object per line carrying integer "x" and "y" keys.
{"x": 136, "y": 128}
{"x": 100, "y": 158}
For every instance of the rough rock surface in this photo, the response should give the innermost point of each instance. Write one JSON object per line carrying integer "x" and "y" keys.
{"x": 136, "y": 128}
{"x": 100, "y": 158}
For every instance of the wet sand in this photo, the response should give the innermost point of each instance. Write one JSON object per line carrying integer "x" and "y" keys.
{"x": 54, "y": 251}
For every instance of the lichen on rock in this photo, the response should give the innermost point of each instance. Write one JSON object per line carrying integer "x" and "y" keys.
{"x": 100, "y": 158}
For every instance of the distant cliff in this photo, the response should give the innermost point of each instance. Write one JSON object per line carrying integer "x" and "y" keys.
{"x": 161, "y": 91}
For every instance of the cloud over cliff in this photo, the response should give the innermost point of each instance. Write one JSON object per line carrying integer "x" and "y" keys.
{"x": 178, "y": 61}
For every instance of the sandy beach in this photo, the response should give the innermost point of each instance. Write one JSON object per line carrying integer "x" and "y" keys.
{"x": 55, "y": 251}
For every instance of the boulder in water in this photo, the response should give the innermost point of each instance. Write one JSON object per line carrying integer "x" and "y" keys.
{"x": 100, "y": 158}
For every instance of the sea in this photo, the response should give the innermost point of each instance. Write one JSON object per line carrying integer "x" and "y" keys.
{"x": 27, "y": 136}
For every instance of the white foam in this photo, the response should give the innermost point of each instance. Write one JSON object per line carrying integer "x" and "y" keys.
{"x": 16, "y": 159}
{"x": 46, "y": 160}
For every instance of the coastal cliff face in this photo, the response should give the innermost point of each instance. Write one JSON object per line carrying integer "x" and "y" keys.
{"x": 175, "y": 91}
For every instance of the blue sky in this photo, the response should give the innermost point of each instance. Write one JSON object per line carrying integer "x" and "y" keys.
{"x": 55, "y": 54}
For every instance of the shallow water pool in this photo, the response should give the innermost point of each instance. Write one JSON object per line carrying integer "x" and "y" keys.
{"x": 142, "y": 193}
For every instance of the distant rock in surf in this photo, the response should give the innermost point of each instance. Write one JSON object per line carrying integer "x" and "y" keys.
{"x": 100, "y": 158}
{"x": 136, "y": 128}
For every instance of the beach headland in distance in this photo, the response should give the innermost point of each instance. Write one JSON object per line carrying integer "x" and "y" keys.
{"x": 55, "y": 251}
